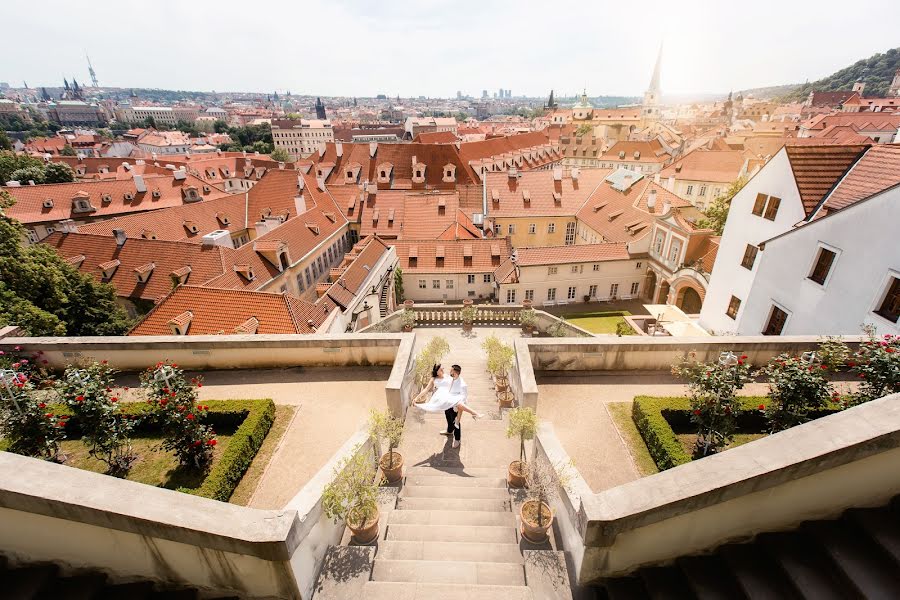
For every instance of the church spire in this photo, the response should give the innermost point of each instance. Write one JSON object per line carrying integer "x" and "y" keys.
{"x": 654, "y": 82}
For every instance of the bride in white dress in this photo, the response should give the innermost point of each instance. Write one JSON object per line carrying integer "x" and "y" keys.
{"x": 442, "y": 397}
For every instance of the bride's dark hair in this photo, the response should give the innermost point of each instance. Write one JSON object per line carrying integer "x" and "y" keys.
{"x": 434, "y": 370}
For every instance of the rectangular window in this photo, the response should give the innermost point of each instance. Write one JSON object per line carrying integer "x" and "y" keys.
{"x": 733, "y": 305}
{"x": 532, "y": 228}
{"x": 890, "y": 306}
{"x": 635, "y": 287}
{"x": 689, "y": 190}
{"x": 496, "y": 229}
{"x": 759, "y": 205}
{"x": 772, "y": 208}
{"x": 776, "y": 322}
{"x": 575, "y": 268}
{"x": 487, "y": 278}
{"x": 592, "y": 291}
{"x": 511, "y": 228}
{"x": 823, "y": 266}
{"x": 435, "y": 284}
{"x": 449, "y": 284}
{"x": 674, "y": 251}
{"x": 660, "y": 238}
{"x": 308, "y": 277}
{"x": 510, "y": 296}
{"x": 702, "y": 191}
{"x": 637, "y": 265}
{"x": 571, "y": 294}
{"x": 551, "y": 228}
{"x": 551, "y": 270}
{"x": 551, "y": 294}
{"x": 300, "y": 282}
{"x": 596, "y": 267}
{"x": 570, "y": 233}
{"x": 471, "y": 293}
{"x": 422, "y": 284}
{"x": 471, "y": 279}
{"x": 614, "y": 290}
{"x": 749, "y": 257}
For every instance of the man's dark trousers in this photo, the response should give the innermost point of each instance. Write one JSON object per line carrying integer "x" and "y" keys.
{"x": 451, "y": 424}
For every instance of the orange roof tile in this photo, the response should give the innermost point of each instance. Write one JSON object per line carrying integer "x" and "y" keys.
{"x": 817, "y": 169}
{"x": 505, "y": 193}
{"x": 487, "y": 255}
{"x": 877, "y": 170}
{"x": 580, "y": 253}
{"x": 707, "y": 165}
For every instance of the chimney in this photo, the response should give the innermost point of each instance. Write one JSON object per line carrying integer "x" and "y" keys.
{"x": 414, "y": 161}
{"x": 512, "y": 173}
{"x": 300, "y": 182}
{"x": 651, "y": 199}
{"x": 321, "y": 184}
{"x": 339, "y": 149}
{"x": 557, "y": 173}
{"x": 666, "y": 207}
{"x": 575, "y": 172}
{"x": 120, "y": 236}
{"x": 300, "y": 204}
{"x": 280, "y": 166}
{"x": 68, "y": 226}
{"x": 373, "y": 148}
{"x": 321, "y": 149}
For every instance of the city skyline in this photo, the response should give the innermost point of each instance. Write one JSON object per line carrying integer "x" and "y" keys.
{"x": 372, "y": 54}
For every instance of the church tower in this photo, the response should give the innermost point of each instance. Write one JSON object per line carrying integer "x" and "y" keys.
{"x": 650, "y": 107}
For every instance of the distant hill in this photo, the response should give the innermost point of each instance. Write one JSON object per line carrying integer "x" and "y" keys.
{"x": 877, "y": 71}
{"x": 772, "y": 91}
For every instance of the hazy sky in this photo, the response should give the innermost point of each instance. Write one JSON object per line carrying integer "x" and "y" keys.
{"x": 436, "y": 47}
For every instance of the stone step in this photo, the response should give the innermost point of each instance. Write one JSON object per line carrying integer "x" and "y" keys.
{"x": 459, "y": 472}
{"x": 453, "y": 504}
{"x": 429, "y": 480}
{"x": 436, "y": 571}
{"x": 449, "y": 551}
{"x": 460, "y": 517}
{"x": 450, "y": 532}
{"x": 453, "y": 491}
{"x": 394, "y": 590}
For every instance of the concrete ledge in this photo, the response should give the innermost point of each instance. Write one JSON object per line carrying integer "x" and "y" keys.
{"x": 546, "y": 575}
{"x": 811, "y": 471}
{"x": 399, "y": 387}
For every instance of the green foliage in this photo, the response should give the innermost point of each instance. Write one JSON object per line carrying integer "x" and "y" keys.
{"x": 522, "y": 425}
{"x": 398, "y": 285}
{"x": 88, "y": 392}
{"x": 583, "y": 130}
{"x": 527, "y": 317}
{"x": 662, "y": 443}
{"x": 25, "y": 175}
{"x": 877, "y": 364}
{"x": 467, "y": 313}
{"x": 716, "y": 213}
{"x": 45, "y": 295}
{"x": 429, "y": 356}
{"x": 68, "y": 150}
{"x": 833, "y": 352}
{"x": 500, "y": 356}
{"x": 714, "y": 405}
{"x": 173, "y": 400}
{"x": 797, "y": 388}
{"x": 11, "y": 162}
{"x": 56, "y": 172}
{"x": 408, "y": 317}
{"x": 623, "y": 328}
{"x": 5, "y": 142}
{"x": 876, "y": 72}
{"x": 28, "y": 426}
{"x": 384, "y": 427}
{"x": 280, "y": 154}
{"x": 249, "y": 138}
{"x": 256, "y": 417}
{"x": 352, "y": 495}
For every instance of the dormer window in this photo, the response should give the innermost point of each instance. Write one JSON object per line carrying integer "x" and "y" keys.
{"x": 313, "y": 227}
{"x": 223, "y": 218}
{"x": 144, "y": 272}
{"x": 129, "y": 196}
{"x": 226, "y": 172}
{"x": 156, "y": 194}
{"x": 245, "y": 271}
{"x": 148, "y": 235}
{"x": 191, "y": 194}
{"x": 109, "y": 268}
{"x": 191, "y": 226}
{"x": 48, "y": 203}
{"x": 180, "y": 324}
{"x": 80, "y": 171}
{"x": 180, "y": 276}
{"x": 106, "y": 198}
{"x": 81, "y": 204}
{"x": 206, "y": 189}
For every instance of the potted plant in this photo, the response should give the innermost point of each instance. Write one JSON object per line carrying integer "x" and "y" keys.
{"x": 528, "y": 318}
{"x": 500, "y": 361}
{"x": 542, "y": 481}
{"x": 506, "y": 398}
{"x": 468, "y": 315}
{"x": 382, "y": 426}
{"x": 430, "y": 355}
{"x": 522, "y": 425}
{"x": 352, "y": 496}
{"x": 408, "y": 319}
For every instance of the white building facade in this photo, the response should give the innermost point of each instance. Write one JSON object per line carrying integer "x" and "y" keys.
{"x": 300, "y": 138}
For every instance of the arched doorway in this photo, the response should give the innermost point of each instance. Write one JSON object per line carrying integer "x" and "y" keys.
{"x": 663, "y": 293}
{"x": 689, "y": 301}
{"x": 650, "y": 285}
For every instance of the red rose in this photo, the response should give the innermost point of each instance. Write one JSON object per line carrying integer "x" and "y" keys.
{"x": 696, "y": 411}
{"x": 42, "y": 405}
{"x": 889, "y": 350}
{"x": 163, "y": 401}
{"x": 174, "y": 366}
{"x": 823, "y": 367}
{"x": 740, "y": 362}
{"x": 862, "y": 376}
{"x": 125, "y": 388}
{"x": 196, "y": 443}
{"x": 743, "y": 357}
{"x": 113, "y": 399}
{"x": 199, "y": 385}
{"x": 108, "y": 389}
{"x": 79, "y": 398}
{"x": 850, "y": 363}
{"x": 49, "y": 415}
{"x": 46, "y": 362}
{"x": 211, "y": 442}
{"x": 762, "y": 407}
{"x": 61, "y": 424}
{"x": 103, "y": 362}
{"x": 190, "y": 417}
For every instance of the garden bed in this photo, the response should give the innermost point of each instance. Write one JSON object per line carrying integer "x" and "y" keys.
{"x": 241, "y": 427}
{"x": 603, "y": 322}
{"x": 665, "y": 426}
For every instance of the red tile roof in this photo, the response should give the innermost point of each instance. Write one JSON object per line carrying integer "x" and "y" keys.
{"x": 486, "y": 255}
{"x": 649, "y": 152}
{"x": 98, "y": 250}
{"x": 356, "y": 268}
{"x": 817, "y": 169}
{"x": 707, "y": 165}
{"x": 547, "y": 196}
{"x": 436, "y": 137}
{"x": 107, "y": 198}
{"x": 877, "y": 170}
{"x": 580, "y": 253}
{"x": 247, "y": 312}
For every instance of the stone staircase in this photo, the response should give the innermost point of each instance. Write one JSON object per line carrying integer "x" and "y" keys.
{"x": 451, "y": 530}
{"x": 855, "y": 556}
{"x": 383, "y": 299}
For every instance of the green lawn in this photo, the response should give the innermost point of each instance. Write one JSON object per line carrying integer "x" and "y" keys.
{"x": 599, "y": 322}
{"x": 621, "y": 416}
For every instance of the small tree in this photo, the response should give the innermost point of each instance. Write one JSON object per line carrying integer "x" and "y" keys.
{"x": 797, "y": 387}
{"x": 398, "y": 285}
{"x": 384, "y": 427}
{"x": 467, "y": 313}
{"x": 430, "y": 355}
{"x": 877, "y": 364}
{"x": 25, "y": 422}
{"x": 106, "y": 432}
{"x": 408, "y": 318}
{"x": 280, "y": 154}
{"x": 500, "y": 360}
{"x": 543, "y": 481}
{"x": 527, "y": 317}
{"x": 58, "y": 173}
{"x": 352, "y": 495}
{"x": 623, "y": 328}
{"x": 173, "y": 399}
{"x": 714, "y": 406}
{"x": 716, "y": 213}
{"x": 522, "y": 425}
{"x": 833, "y": 352}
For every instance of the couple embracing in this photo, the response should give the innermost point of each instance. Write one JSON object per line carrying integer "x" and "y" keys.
{"x": 448, "y": 395}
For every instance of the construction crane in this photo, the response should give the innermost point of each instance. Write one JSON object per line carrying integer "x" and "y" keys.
{"x": 91, "y": 71}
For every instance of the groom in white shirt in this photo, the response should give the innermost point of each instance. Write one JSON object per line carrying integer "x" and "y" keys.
{"x": 460, "y": 392}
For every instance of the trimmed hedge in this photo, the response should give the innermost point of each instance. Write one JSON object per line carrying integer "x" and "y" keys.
{"x": 657, "y": 420}
{"x": 250, "y": 419}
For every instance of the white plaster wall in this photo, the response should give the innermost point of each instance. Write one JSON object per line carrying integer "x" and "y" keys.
{"x": 866, "y": 239}
{"x": 742, "y": 227}
{"x": 459, "y": 291}
{"x": 537, "y": 278}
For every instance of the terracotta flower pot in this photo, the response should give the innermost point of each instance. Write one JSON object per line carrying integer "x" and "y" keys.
{"x": 467, "y": 325}
{"x": 407, "y": 328}
{"x": 364, "y": 535}
{"x": 501, "y": 383}
{"x": 515, "y": 475}
{"x": 528, "y": 329}
{"x": 531, "y": 531}
{"x": 394, "y": 473}
{"x": 506, "y": 398}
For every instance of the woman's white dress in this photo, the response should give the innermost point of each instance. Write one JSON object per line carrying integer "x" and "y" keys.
{"x": 441, "y": 399}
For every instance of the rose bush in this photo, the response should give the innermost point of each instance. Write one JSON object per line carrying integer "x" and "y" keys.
{"x": 26, "y": 423}
{"x": 174, "y": 402}
{"x": 105, "y": 430}
{"x": 797, "y": 387}
{"x": 714, "y": 406}
{"x": 877, "y": 364}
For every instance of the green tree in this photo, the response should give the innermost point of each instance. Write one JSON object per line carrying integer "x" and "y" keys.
{"x": 68, "y": 150}
{"x": 280, "y": 154}
{"x": 149, "y": 123}
{"x": 33, "y": 173}
{"x": 58, "y": 173}
{"x": 45, "y": 295}
{"x": 220, "y": 126}
{"x": 188, "y": 128}
{"x": 716, "y": 214}
{"x": 11, "y": 162}
{"x": 5, "y": 142}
